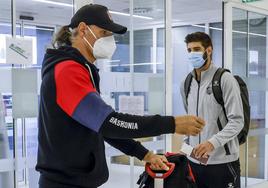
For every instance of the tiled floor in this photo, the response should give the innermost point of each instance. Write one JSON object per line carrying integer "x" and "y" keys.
{"x": 261, "y": 185}
{"x": 120, "y": 178}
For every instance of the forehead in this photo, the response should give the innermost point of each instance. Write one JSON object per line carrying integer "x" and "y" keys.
{"x": 194, "y": 45}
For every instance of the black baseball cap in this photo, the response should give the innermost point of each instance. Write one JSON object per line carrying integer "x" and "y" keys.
{"x": 94, "y": 14}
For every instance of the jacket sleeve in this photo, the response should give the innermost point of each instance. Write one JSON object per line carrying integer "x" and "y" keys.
{"x": 128, "y": 147}
{"x": 79, "y": 99}
{"x": 234, "y": 111}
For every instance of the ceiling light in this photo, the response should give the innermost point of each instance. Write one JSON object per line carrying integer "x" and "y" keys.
{"x": 112, "y": 12}
{"x": 54, "y": 3}
{"x": 126, "y": 14}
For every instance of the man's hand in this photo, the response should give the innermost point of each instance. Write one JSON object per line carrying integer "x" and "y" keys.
{"x": 189, "y": 125}
{"x": 158, "y": 162}
{"x": 203, "y": 150}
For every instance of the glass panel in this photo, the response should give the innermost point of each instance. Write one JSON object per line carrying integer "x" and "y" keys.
{"x": 42, "y": 38}
{"x": 160, "y": 50}
{"x": 5, "y": 29}
{"x": 147, "y": 73}
{"x": 188, "y": 18}
{"x": 249, "y": 60}
{"x": 240, "y": 54}
{"x": 120, "y": 60}
{"x": 256, "y": 161}
{"x": 6, "y": 126}
{"x": 240, "y": 42}
{"x": 116, "y": 81}
{"x": 6, "y": 144}
{"x": 215, "y": 31}
{"x": 151, "y": 84}
{"x": 257, "y": 24}
{"x": 31, "y": 133}
{"x": 6, "y": 179}
{"x": 43, "y": 18}
{"x": 180, "y": 63}
{"x": 240, "y": 62}
{"x": 143, "y": 46}
{"x": 257, "y": 45}
{"x": 240, "y": 22}
{"x": 257, "y": 68}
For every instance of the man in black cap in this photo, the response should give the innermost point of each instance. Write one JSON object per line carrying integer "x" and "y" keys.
{"x": 74, "y": 121}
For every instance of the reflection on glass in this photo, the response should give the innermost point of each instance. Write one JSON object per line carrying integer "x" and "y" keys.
{"x": 6, "y": 179}
{"x": 6, "y": 127}
{"x": 257, "y": 23}
{"x": 240, "y": 54}
{"x": 42, "y": 37}
{"x": 240, "y": 26}
{"x": 249, "y": 60}
{"x": 115, "y": 96}
{"x": 256, "y": 158}
{"x": 257, "y": 45}
{"x": 240, "y": 22}
{"x": 120, "y": 60}
{"x": 216, "y": 36}
{"x": 143, "y": 44}
{"x": 5, "y": 32}
{"x": 256, "y": 145}
{"x": 160, "y": 51}
{"x": 31, "y": 134}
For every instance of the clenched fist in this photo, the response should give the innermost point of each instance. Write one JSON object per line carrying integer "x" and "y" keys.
{"x": 189, "y": 125}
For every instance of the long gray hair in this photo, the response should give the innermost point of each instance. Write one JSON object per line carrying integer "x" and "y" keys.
{"x": 62, "y": 37}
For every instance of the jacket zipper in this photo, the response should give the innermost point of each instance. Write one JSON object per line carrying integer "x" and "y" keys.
{"x": 197, "y": 106}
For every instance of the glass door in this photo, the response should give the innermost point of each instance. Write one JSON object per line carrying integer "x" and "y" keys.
{"x": 246, "y": 50}
{"x": 136, "y": 74}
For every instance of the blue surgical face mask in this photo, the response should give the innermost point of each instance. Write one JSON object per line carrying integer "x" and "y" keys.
{"x": 196, "y": 59}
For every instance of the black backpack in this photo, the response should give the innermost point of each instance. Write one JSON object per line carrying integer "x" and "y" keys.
{"x": 181, "y": 176}
{"x": 217, "y": 92}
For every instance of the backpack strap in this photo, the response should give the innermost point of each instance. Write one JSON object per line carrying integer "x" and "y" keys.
{"x": 216, "y": 85}
{"x": 217, "y": 92}
{"x": 143, "y": 179}
{"x": 187, "y": 86}
{"x": 191, "y": 174}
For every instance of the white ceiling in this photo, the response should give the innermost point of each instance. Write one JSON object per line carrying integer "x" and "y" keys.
{"x": 183, "y": 11}
{"x": 190, "y": 11}
{"x": 44, "y": 14}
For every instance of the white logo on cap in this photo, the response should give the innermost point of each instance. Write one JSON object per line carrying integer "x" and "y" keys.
{"x": 110, "y": 16}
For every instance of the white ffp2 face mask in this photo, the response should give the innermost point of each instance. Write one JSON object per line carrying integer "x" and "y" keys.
{"x": 104, "y": 47}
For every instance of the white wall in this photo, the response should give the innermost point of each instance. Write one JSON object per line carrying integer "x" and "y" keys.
{"x": 79, "y": 3}
{"x": 263, "y": 4}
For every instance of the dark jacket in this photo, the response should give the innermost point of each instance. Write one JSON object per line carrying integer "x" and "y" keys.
{"x": 74, "y": 122}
